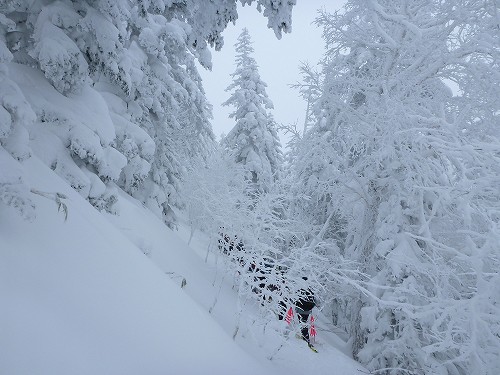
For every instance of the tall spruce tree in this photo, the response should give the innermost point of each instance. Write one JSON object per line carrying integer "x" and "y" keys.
{"x": 254, "y": 140}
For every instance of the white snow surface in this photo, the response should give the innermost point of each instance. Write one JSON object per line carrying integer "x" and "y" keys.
{"x": 82, "y": 297}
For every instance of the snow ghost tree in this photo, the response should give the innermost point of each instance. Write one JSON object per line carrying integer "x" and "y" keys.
{"x": 254, "y": 140}
{"x": 409, "y": 172}
{"x": 109, "y": 93}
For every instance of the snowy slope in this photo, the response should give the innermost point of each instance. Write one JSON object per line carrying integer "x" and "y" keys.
{"x": 78, "y": 298}
{"x": 81, "y": 297}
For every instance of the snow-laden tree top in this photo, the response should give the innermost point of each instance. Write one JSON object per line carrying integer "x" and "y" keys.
{"x": 254, "y": 140}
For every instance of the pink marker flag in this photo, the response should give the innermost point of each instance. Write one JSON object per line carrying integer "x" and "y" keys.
{"x": 289, "y": 316}
{"x": 312, "y": 330}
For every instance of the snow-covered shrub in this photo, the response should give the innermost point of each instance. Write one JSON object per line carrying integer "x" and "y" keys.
{"x": 213, "y": 194}
{"x": 14, "y": 191}
{"x": 106, "y": 201}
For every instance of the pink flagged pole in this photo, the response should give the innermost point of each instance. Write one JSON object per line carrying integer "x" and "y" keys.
{"x": 312, "y": 330}
{"x": 289, "y": 316}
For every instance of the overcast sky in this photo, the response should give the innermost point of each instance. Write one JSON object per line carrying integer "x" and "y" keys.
{"x": 278, "y": 61}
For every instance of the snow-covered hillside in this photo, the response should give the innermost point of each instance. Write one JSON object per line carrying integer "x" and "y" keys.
{"x": 79, "y": 296}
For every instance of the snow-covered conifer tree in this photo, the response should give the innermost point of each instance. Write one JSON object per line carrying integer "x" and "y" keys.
{"x": 409, "y": 170}
{"x": 114, "y": 90}
{"x": 253, "y": 141}
{"x": 71, "y": 130}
